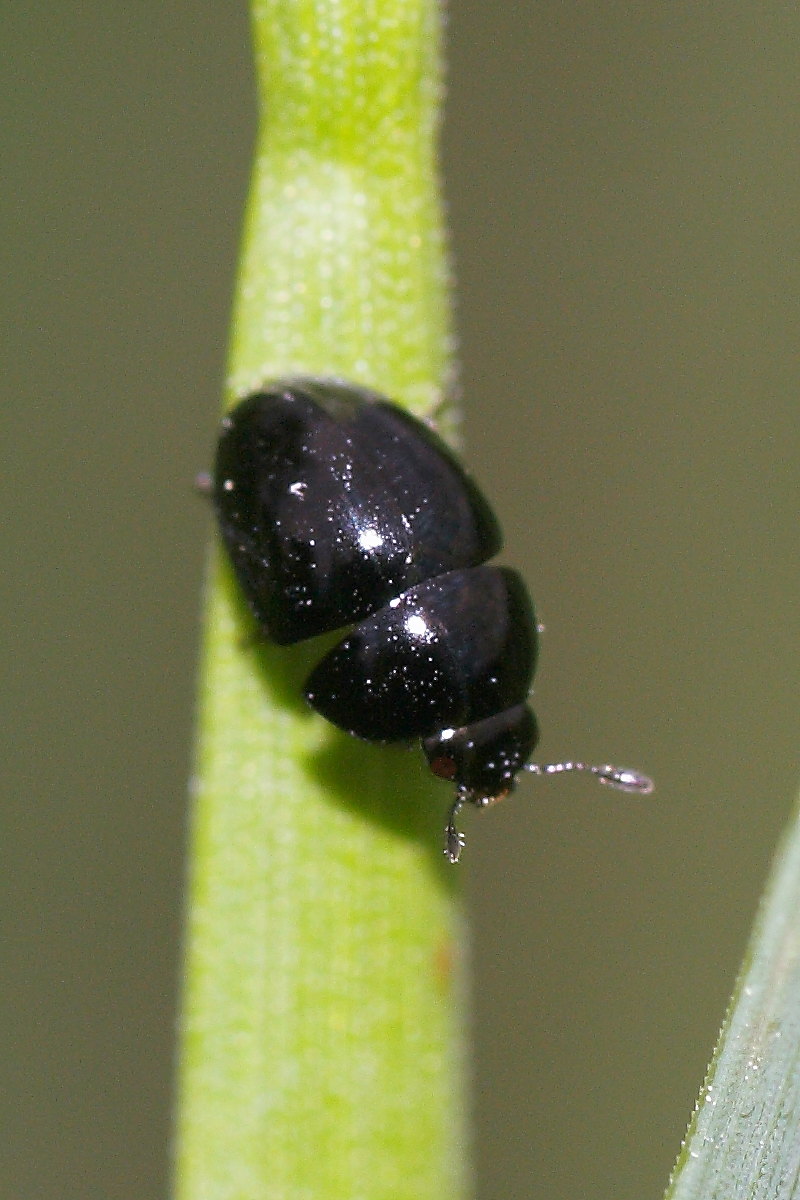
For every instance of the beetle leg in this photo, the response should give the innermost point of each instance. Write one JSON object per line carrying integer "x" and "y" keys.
{"x": 453, "y": 838}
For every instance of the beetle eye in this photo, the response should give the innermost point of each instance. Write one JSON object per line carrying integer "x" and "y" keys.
{"x": 444, "y": 767}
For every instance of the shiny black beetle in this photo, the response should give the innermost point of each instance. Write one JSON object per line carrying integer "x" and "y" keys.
{"x": 338, "y": 508}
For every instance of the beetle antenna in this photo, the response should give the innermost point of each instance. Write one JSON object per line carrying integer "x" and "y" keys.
{"x": 621, "y": 778}
{"x": 453, "y": 838}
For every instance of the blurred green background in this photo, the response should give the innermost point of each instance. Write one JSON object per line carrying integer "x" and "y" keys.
{"x": 623, "y": 185}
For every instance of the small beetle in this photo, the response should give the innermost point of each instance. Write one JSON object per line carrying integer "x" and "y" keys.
{"x": 337, "y": 508}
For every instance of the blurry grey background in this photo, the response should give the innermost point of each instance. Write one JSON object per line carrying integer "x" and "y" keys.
{"x": 623, "y": 188}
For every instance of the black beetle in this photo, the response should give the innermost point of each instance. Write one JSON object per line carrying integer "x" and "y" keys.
{"x": 338, "y": 508}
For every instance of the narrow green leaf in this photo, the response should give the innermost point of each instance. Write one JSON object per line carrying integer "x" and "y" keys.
{"x": 744, "y": 1139}
{"x": 321, "y": 1050}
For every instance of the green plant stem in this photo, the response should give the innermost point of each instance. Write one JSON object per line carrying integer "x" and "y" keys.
{"x": 321, "y": 1051}
{"x": 744, "y": 1139}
